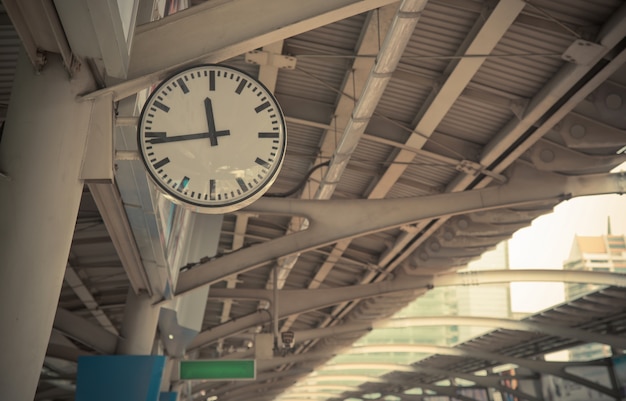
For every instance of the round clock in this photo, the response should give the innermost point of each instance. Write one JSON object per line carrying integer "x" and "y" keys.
{"x": 212, "y": 137}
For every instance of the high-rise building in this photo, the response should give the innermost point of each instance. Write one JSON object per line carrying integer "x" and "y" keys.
{"x": 605, "y": 253}
{"x": 489, "y": 300}
{"x": 485, "y": 301}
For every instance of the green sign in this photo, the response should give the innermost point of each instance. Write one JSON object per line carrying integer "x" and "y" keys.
{"x": 235, "y": 369}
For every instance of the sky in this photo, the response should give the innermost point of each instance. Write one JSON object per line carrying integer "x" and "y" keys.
{"x": 546, "y": 244}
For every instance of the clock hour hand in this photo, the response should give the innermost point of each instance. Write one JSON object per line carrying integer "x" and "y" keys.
{"x": 163, "y": 139}
{"x": 213, "y": 133}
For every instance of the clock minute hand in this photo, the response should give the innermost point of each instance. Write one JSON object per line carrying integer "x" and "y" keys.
{"x": 213, "y": 133}
{"x": 177, "y": 138}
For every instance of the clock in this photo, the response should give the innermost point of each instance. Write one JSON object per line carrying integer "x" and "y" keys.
{"x": 212, "y": 137}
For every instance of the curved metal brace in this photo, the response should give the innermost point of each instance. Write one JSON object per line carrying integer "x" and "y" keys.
{"x": 510, "y": 324}
{"x": 85, "y": 332}
{"x": 260, "y": 380}
{"x": 552, "y": 368}
{"x": 300, "y": 301}
{"x": 450, "y": 391}
{"x": 511, "y": 275}
{"x": 64, "y": 352}
{"x": 365, "y": 216}
{"x": 317, "y": 394}
{"x": 339, "y": 387}
{"x": 437, "y": 390}
{"x": 492, "y": 381}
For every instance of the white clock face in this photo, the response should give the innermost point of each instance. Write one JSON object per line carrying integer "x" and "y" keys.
{"x": 212, "y": 137}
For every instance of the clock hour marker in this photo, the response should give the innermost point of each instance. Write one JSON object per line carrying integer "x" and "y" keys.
{"x": 161, "y": 106}
{"x": 212, "y": 189}
{"x": 262, "y": 162}
{"x": 268, "y": 134}
{"x": 161, "y": 163}
{"x": 183, "y": 85}
{"x": 155, "y": 134}
{"x": 242, "y": 184}
{"x": 242, "y": 85}
{"x": 262, "y": 107}
{"x": 211, "y": 80}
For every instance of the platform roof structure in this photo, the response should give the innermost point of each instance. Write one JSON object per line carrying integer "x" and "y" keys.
{"x": 420, "y": 135}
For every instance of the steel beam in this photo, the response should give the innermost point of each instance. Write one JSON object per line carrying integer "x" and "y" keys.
{"x": 271, "y": 376}
{"x": 486, "y": 381}
{"x": 300, "y": 301}
{"x": 358, "y": 82}
{"x": 334, "y": 220}
{"x": 82, "y": 292}
{"x": 182, "y": 33}
{"x": 507, "y": 276}
{"x": 544, "y": 101}
{"x": 85, "y": 332}
{"x": 552, "y": 368}
{"x": 476, "y": 321}
{"x": 64, "y": 352}
{"x": 111, "y": 207}
{"x": 442, "y": 99}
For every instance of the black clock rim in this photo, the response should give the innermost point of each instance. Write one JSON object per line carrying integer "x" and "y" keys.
{"x": 226, "y": 205}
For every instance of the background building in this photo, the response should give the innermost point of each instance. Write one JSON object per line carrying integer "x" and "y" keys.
{"x": 605, "y": 253}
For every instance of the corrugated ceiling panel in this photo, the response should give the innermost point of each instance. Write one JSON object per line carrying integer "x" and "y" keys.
{"x": 524, "y": 75}
{"x": 313, "y": 80}
{"x": 474, "y": 121}
{"x": 402, "y": 99}
{"x": 439, "y": 32}
{"x": 428, "y": 170}
{"x": 423, "y": 177}
{"x": 366, "y": 164}
{"x": 319, "y": 78}
{"x": 341, "y": 35}
{"x": 302, "y": 141}
{"x": 9, "y": 48}
{"x": 580, "y": 12}
{"x": 371, "y": 152}
{"x": 354, "y": 182}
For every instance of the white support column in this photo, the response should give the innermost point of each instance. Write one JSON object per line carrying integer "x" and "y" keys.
{"x": 139, "y": 326}
{"x": 41, "y": 154}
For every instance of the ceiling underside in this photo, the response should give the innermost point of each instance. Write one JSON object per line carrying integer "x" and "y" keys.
{"x": 407, "y": 100}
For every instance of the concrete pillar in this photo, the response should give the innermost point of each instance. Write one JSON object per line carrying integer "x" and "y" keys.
{"x": 41, "y": 155}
